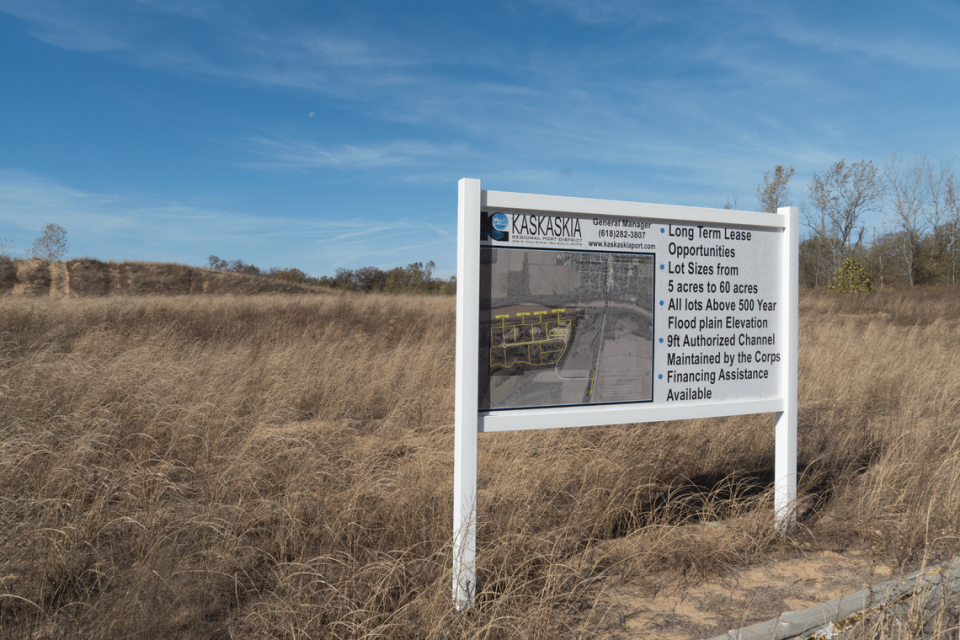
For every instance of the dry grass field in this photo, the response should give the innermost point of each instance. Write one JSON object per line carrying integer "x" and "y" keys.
{"x": 281, "y": 467}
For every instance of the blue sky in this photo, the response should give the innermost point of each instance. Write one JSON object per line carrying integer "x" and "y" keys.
{"x": 321, "y": 135}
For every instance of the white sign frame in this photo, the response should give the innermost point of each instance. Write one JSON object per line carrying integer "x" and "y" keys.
{"x": 470, "y": 421}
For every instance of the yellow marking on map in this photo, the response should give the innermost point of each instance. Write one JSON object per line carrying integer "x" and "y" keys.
{"x": 536, "y": 343}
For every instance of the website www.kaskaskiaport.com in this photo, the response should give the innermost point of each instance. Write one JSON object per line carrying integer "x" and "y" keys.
{"x": 621, "y": 245}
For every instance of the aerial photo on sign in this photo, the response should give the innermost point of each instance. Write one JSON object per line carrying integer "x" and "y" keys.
{"x": 564, "y": 328}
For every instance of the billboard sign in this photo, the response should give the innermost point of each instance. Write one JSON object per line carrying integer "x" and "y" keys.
{"x": 596, "y": 310}
{"x": 575, "y": 312}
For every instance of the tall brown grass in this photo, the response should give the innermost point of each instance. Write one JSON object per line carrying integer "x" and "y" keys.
{"x": 269, "y": 466}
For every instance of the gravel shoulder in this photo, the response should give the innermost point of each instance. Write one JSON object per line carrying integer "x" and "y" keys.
{"x": 779, "y": 599}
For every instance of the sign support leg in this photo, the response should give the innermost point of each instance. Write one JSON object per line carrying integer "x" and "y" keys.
{"x": 465, "y": 439}
{"x": 785, "y": 471}
{"x": 785, "y": 458}
{"x": 465, "y": 524}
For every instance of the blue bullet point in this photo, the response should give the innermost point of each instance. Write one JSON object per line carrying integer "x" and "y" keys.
{"x": 662, "y": 230}
{"x": 661, "y": 267}
{"x": 660, "y": 376}
{"x": 661, "y": 303}
{"x": 661, "y": 340}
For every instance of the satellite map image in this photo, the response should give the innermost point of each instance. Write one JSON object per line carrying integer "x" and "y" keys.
{"x": 563, "y": 328}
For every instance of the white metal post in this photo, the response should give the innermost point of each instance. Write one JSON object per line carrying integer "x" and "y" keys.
{"x": 465, "y": 440}
{"x": 785, "y": 464}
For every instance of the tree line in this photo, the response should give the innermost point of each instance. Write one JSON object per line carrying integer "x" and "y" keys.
{"x": 416, "y": 277}
{"x": 917, "y": 245}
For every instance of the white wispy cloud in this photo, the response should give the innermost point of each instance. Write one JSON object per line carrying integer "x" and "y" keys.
{"x": 579, "y": 102}
{"x": 300, "y": 154}
{"x": 66, "y": 27}
{"x": 238, "y": 48}
{"x": 201, "y": 9}
{"x": 899, "y": 48}
{"x": 606, "y": 11}
{"x": 666, "y": 95}
{"x": 534, "y": 112}
{"x": 174, "y": 231}
{"x": 899, "y": 41}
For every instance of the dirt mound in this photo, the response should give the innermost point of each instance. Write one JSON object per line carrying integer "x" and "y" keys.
{"x": 90, "y": 277}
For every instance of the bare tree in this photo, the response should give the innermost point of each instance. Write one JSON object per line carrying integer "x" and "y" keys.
{"x": 52, "y": 243}
{"x": 821, "y": 242}
{"x": 839, "y": 199}
{"x": 909, "y": 198}
{"x": 775, "y": 193}
{"x": 938, "y": 179}
{"x": 952, "y": 205}
{"x": 733, "y": 201}
{"x": 6, "y": 248}
{"x": 216, "y": 263}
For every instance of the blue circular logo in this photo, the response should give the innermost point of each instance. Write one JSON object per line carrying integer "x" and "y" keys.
{"x": 500, "y": 221}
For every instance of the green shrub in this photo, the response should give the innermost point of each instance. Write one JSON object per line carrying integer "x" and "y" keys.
{"x": 851, "y": 277}
{"x": 289, "y": 275}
